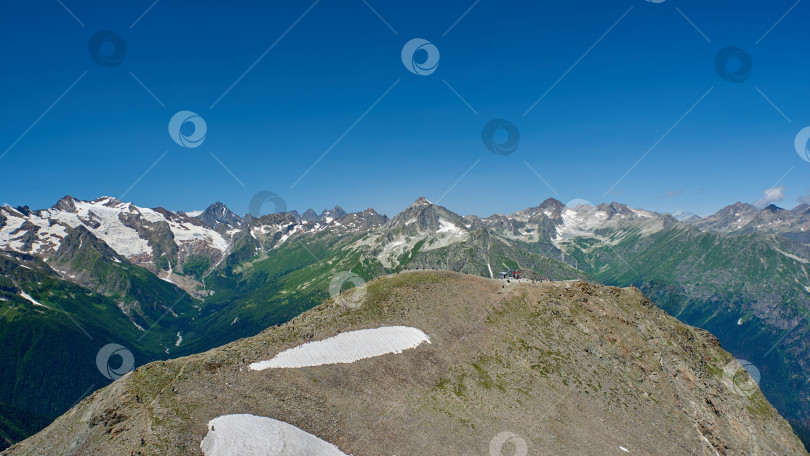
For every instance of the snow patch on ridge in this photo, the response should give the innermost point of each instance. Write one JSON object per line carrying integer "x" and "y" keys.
{"x": 250, "y": 435}
{"x": 347, "y": 347}
{"x": 584, "y": 221}
{"x": 579, "y": 222}
{"x": 33, "y": 301}
{"x": 449, "y": 227}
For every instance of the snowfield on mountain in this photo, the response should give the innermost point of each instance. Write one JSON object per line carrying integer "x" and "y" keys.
{"x": 248, "y": 435}
{"x": 347, "y": 347}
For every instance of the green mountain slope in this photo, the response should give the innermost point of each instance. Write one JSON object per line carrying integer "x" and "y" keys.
{"x": 17, "y": 424}
{"x": 52, "y": 329}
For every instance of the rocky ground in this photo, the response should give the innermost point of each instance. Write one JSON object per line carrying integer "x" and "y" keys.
{"x": 557, "y": 368}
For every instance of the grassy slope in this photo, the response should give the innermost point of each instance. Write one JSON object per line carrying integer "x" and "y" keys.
{"x": 49, "y": 354}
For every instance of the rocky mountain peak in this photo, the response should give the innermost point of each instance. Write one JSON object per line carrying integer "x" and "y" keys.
{"x": 772, "y": 208}
{"x": 374, "y": 217}
{"x": 551, "y": 208}
{"x": 24, "y": 210}
{"x": 107, "y": 201}
{"x": 294, "y": 213}
{"x": 669, "y": 220}
{"x": 551, "y": 204}
{"x": 615, "y": 208}
{"x": 424, "y": 215}
{"x": 737, "y": 208}
{"x": 335, "y": 213}
{"x": 218, "y": 215}
{"x": 66, "y": 204}
{"x": 309, "y": 216}
{"x": 801, "y": 209}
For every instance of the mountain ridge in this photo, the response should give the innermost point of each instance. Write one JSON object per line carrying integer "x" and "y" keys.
{"x": 566, "y": 368}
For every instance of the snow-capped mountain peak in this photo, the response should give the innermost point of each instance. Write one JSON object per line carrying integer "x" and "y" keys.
{"x": 153, "y": 238}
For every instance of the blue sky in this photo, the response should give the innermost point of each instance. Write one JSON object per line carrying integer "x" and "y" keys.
{"x": 619, "y": 77}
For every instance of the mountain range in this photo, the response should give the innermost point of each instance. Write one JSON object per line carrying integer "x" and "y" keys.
{"x": 166, "y": 284}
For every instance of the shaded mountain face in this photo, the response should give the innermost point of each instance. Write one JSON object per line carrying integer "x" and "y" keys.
{"x": 328, "y": 215}
{"x": 218, "y": 216}
{"x": 555, "y": 368}
{"x": 309, "y": 216}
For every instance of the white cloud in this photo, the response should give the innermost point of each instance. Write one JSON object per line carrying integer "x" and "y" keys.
{"x": 771, "y": 195}
{"x": 683, "y": 215}
{"x": 805, "y": 199}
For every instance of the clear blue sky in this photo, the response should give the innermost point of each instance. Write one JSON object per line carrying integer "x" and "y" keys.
{"x": 632, "y": 87}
